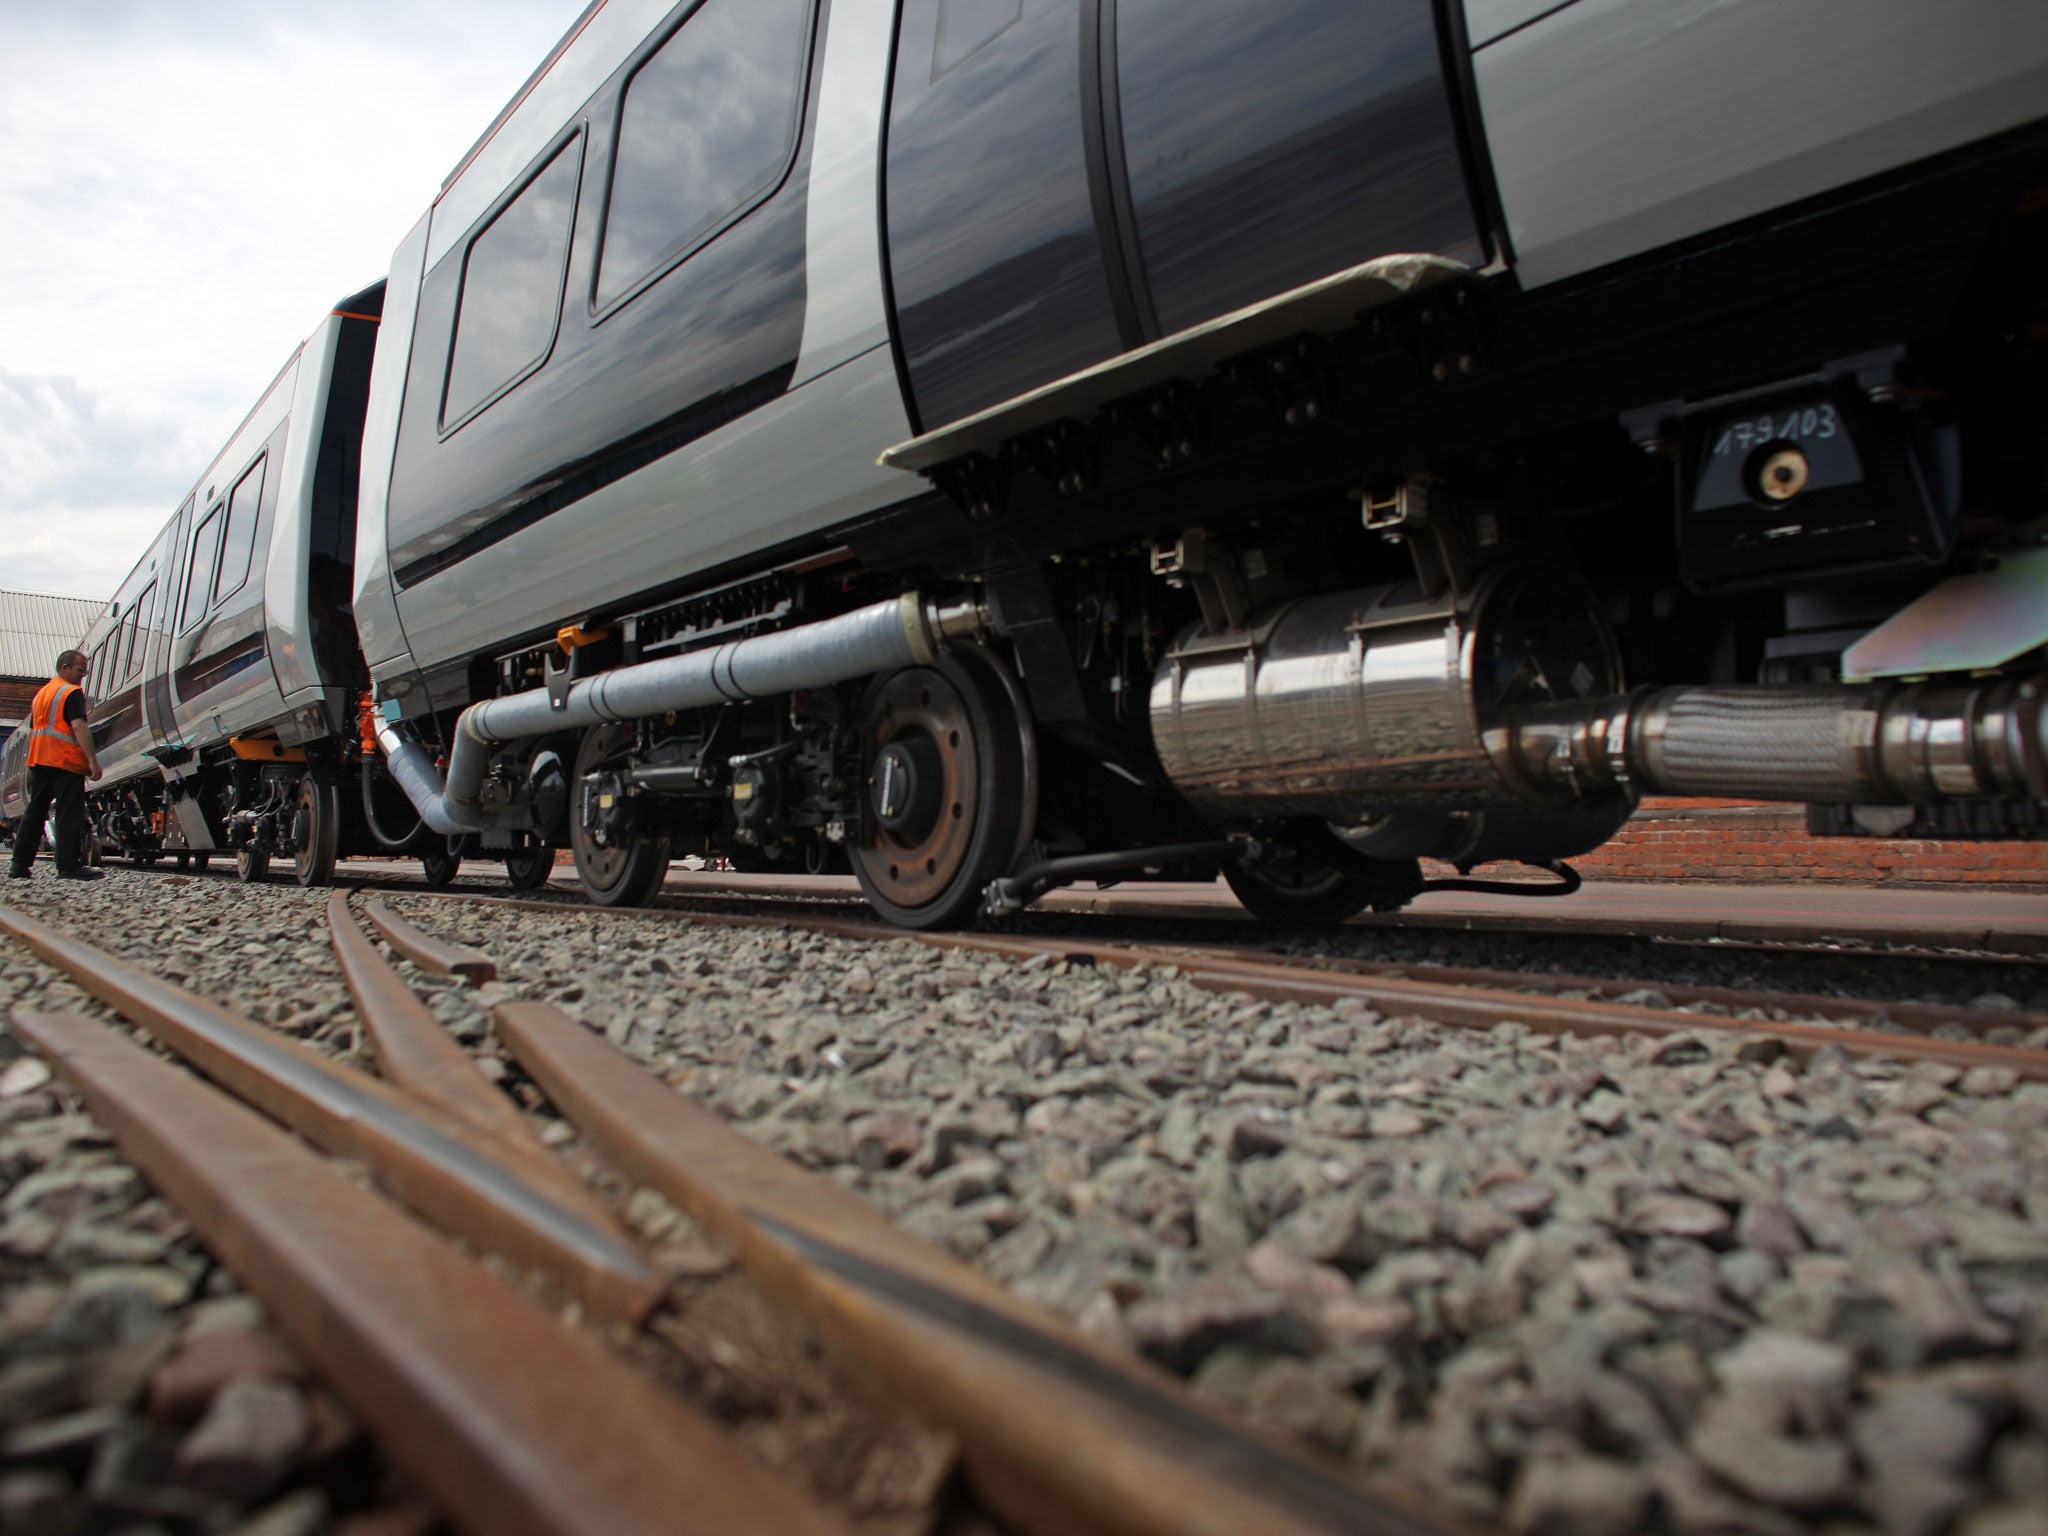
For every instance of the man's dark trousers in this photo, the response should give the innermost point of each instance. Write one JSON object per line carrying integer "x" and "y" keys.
{"x": 59, "y": 789}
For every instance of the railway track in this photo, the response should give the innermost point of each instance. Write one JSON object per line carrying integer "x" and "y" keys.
{"x": 1188, "y": 908}
{"x": 1054, "y": 1431}
{"x": 1464, "y": 997}
{"x": 1058, "y": 1435}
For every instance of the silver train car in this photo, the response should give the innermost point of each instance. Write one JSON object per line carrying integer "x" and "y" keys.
{"x": 989, "y": 443}
{"x": 225, "y": 669}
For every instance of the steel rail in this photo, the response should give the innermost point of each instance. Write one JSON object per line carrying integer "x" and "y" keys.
{"x": 457, "y": 1177}
{"x": 1464, "y": 1007}
{"x": 513, "y": 1424}
{"x": 1903, "y": 1015}
{"x": 419, "y": 1057}
{"x": 1060, "y": 1436}
{"x": 1922, "y": 1018}
{"x": 1988, "y": 944}
{"x": 423, "y": 949}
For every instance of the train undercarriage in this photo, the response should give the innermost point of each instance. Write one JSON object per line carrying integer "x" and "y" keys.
{"x": 1457, "y": 582}
{"x": 1405, "y": 565}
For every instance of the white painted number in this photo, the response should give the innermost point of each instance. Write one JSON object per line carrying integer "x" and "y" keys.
{"x": 1814, "y": 421}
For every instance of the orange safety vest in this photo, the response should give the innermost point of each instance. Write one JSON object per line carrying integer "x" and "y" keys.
{"x": 51, "y": 741}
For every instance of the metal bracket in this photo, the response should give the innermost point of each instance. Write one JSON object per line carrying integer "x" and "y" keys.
{"x": 1187, "y": 562}
{"x": 1169, "y": 423}
{"x": 1065, "y": 456}
{"x": 558, "y": 679}
{"x": 1296, "y": 381}
{"x": 976, "y": 484}
{"x": 1404, "y": 516}
{"x": 1443, "y": 335}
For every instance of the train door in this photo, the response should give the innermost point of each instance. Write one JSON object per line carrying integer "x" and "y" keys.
{"x": 156, "y": 686}
{"x": 1266, "y": 143}
{"x": 118, "y": 730}
{"x": 1070, "y": 178}
{"x": 219, "y": 646}
{"x": 996, "y": 265}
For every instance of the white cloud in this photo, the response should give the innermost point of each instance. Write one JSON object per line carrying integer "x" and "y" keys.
{"x": 186, "y": 190}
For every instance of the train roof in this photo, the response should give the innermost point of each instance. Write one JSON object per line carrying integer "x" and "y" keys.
{"x": 575, "y": 31}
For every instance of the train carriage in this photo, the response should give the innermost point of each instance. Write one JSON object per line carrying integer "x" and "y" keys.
{"x": 997, "y": 442}
{"x": 225, "y": 670}
{"x": 1330, "y": 417}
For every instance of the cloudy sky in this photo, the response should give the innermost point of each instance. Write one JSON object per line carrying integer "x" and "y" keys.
{"x": 185, "y": 190}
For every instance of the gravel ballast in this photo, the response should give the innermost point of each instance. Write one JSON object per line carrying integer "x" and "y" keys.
{"x": 1586, "y": 1285}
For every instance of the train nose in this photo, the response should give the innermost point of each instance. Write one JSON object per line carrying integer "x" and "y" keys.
{"x": 904, "y": 791}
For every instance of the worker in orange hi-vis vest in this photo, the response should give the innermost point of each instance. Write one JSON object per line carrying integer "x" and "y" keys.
{"x": 60, "y": 762}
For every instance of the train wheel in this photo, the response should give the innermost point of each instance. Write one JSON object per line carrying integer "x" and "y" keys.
{"x": 251, "y": 863}
{"x": 619, "y": 865}
{"x": 949, "y": 779}
{"x": 440, "y": 865}
{"x": 1308, "y": 882}
{"x": 527, "y": 868}
{"x": 316, "y": 831}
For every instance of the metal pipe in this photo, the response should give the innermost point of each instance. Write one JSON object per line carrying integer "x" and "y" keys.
{"x": 1877, "y": 744}
{"x": 901, "y": 632}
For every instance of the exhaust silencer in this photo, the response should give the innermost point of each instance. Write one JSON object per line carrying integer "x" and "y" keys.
{"x": 1378, "y": 704}
{"x": 1329, "y": 707}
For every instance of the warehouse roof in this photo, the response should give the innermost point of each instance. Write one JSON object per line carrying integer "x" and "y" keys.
{"x": 35, "y": 627}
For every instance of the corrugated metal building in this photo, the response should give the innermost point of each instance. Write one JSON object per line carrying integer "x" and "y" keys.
{"x": 33, "y": 629}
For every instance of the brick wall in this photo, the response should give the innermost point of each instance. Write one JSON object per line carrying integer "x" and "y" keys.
{"x": 16, "y": 696}
{"x": 1739, "y": 840}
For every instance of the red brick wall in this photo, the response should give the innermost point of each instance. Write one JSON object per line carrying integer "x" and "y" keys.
{"x": 16, "y": 696}
{"x": 1738, "y": 840}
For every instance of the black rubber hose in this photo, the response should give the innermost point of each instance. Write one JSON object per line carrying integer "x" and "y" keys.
{"x": 1567, "y": 882}
{"x": 413, "y": 842}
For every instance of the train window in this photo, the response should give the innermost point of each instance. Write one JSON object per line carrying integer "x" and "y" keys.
{"x": 965, "y": 26}
{"x": 512, "y": 288}
{"x": 138, "y": 628}
{"x": 123, "y": 646}
{"x": 199, "y": 573}
{"x": 238, "y": 543}
{"x": 707, "y": 128}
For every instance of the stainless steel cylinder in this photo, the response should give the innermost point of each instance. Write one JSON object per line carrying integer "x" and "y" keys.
{"x": 1379, "y": 699}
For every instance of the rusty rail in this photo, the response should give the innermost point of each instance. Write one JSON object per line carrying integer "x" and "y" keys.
{"x": 416, "y": 1054}
{"x": 459, "y": 1178}
{"x": 1921, "y": 1018}
{"x": 423, "y": 949}
{"x": 1061, "y": 1437}
{"x": 1458, "y": 1006}
{"x": 511, "y": 1423}
{"x": 2022, "y": 945}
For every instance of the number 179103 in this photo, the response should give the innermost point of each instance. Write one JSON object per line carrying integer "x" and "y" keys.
{"x": 1811, "y": 421}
